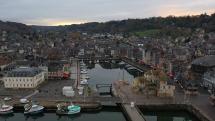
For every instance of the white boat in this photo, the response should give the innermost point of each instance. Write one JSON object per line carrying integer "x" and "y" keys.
{"x": 83, "y": 69}
{"x": 122, "y": 63}
{"x": 84, "y": 76}
{"x": 33, "y": 109}
{"x": 84, "y": 82}
{"x": 24, "y": 101}
{"x": 84, "y": 72}
{"x": 7, "y": 98}
{"x": 82, "y": 63}
{"x": 83, "y": 66}
{"x": 5, "y": 109}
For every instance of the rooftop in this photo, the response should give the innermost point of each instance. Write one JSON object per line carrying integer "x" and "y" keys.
{"x": 208, "y": 61}
{"x": 24, "y": 72}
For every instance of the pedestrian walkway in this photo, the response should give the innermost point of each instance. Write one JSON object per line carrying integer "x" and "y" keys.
{"x": 133, "y": 113}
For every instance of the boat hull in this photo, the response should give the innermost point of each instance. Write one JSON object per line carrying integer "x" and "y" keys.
{"x": 6, "y": 112}
{"x": 58, "y": 112}
{"x": 33, "y": 112}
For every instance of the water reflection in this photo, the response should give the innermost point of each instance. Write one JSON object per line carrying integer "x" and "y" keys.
{"x": 68, "y": 117}
{"x": 33, "y": 117}
{"x": 168, "y": 116}
{"x": 6, "y": 117}
{"x": 98, "y": 116}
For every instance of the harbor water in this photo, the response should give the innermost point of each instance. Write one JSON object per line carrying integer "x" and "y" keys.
{"x": 107, "y": 73}
{"x": 168, "y": 116}
{"x": 96, "y": 116}
{"x": 104, "y": 73}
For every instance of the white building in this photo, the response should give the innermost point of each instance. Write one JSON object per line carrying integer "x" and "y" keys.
{"x": 24, "y": 77}
{"x": 45, "y": 71}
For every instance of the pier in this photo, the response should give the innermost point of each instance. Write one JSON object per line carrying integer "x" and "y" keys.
{"x": 136, "y": 65}
{"x": 132, "y": 113}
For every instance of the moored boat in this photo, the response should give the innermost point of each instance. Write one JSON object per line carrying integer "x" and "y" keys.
{"x": 33, "y": 109}
{"x": 63, "y": 109}
{"x": 83, "y": 71}
{"x": 84, "y": 82}
{"x": 5, "y": 109}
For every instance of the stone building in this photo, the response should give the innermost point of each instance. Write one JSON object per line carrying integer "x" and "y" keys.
{"x": 24, "y": 77}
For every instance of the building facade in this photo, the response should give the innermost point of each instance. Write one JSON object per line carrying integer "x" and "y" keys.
{"x": 24, "y": 77}
{"x": 209, "y": 80}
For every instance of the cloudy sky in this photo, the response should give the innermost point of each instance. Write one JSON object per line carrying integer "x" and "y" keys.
{"x": 61, "y": 12}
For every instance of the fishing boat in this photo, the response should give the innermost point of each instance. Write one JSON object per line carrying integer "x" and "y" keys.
{"x": 33, "y": 109}
{"x": 5, "y": 109}
{"x": 63, "y": 109}
{"x": 82, "y": 63}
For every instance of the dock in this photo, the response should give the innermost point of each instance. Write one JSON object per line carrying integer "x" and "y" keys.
{"x": 143, "y": 68}
{"x": 132, "y": 113}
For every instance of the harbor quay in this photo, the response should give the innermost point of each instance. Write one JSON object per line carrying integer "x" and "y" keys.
{"x": 196, "y": 105}
{"x": 49, "y": 94}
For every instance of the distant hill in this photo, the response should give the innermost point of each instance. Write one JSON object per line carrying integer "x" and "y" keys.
{"x": 14, "y": 27}
{"x": 155, "y": 26}
{"x": 206, "y": 22}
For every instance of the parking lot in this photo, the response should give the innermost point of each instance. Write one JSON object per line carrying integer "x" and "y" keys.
{"x": 50, "y": 89}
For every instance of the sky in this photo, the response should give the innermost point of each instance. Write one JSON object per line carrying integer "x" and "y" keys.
{"x": 64, "y": 12}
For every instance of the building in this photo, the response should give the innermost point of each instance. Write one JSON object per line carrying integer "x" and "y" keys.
{"x": 166, "y": 89}
{"x": 203, "y": 64}
{"x": 191, "y": 87}
{"x": 209, "y": 80}
{"x": 23, "y": 77}
{"x": 4, "y": 62}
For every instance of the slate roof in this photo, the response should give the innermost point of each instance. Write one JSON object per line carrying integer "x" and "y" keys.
{"x": 24, "y": 72}
{"x": 208, "y": 61}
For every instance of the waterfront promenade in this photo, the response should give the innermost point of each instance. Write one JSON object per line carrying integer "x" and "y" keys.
{"x": 200, "y": 102}
{"x": 132, "y": 113}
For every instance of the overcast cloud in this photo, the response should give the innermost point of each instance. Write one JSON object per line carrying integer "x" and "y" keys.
{"x": 57, "y": 12}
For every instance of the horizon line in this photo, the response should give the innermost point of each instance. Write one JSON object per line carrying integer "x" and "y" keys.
{"x": 80, "y": 23}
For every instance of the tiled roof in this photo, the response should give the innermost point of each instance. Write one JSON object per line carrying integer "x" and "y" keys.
{"x": 4, "y": 60}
